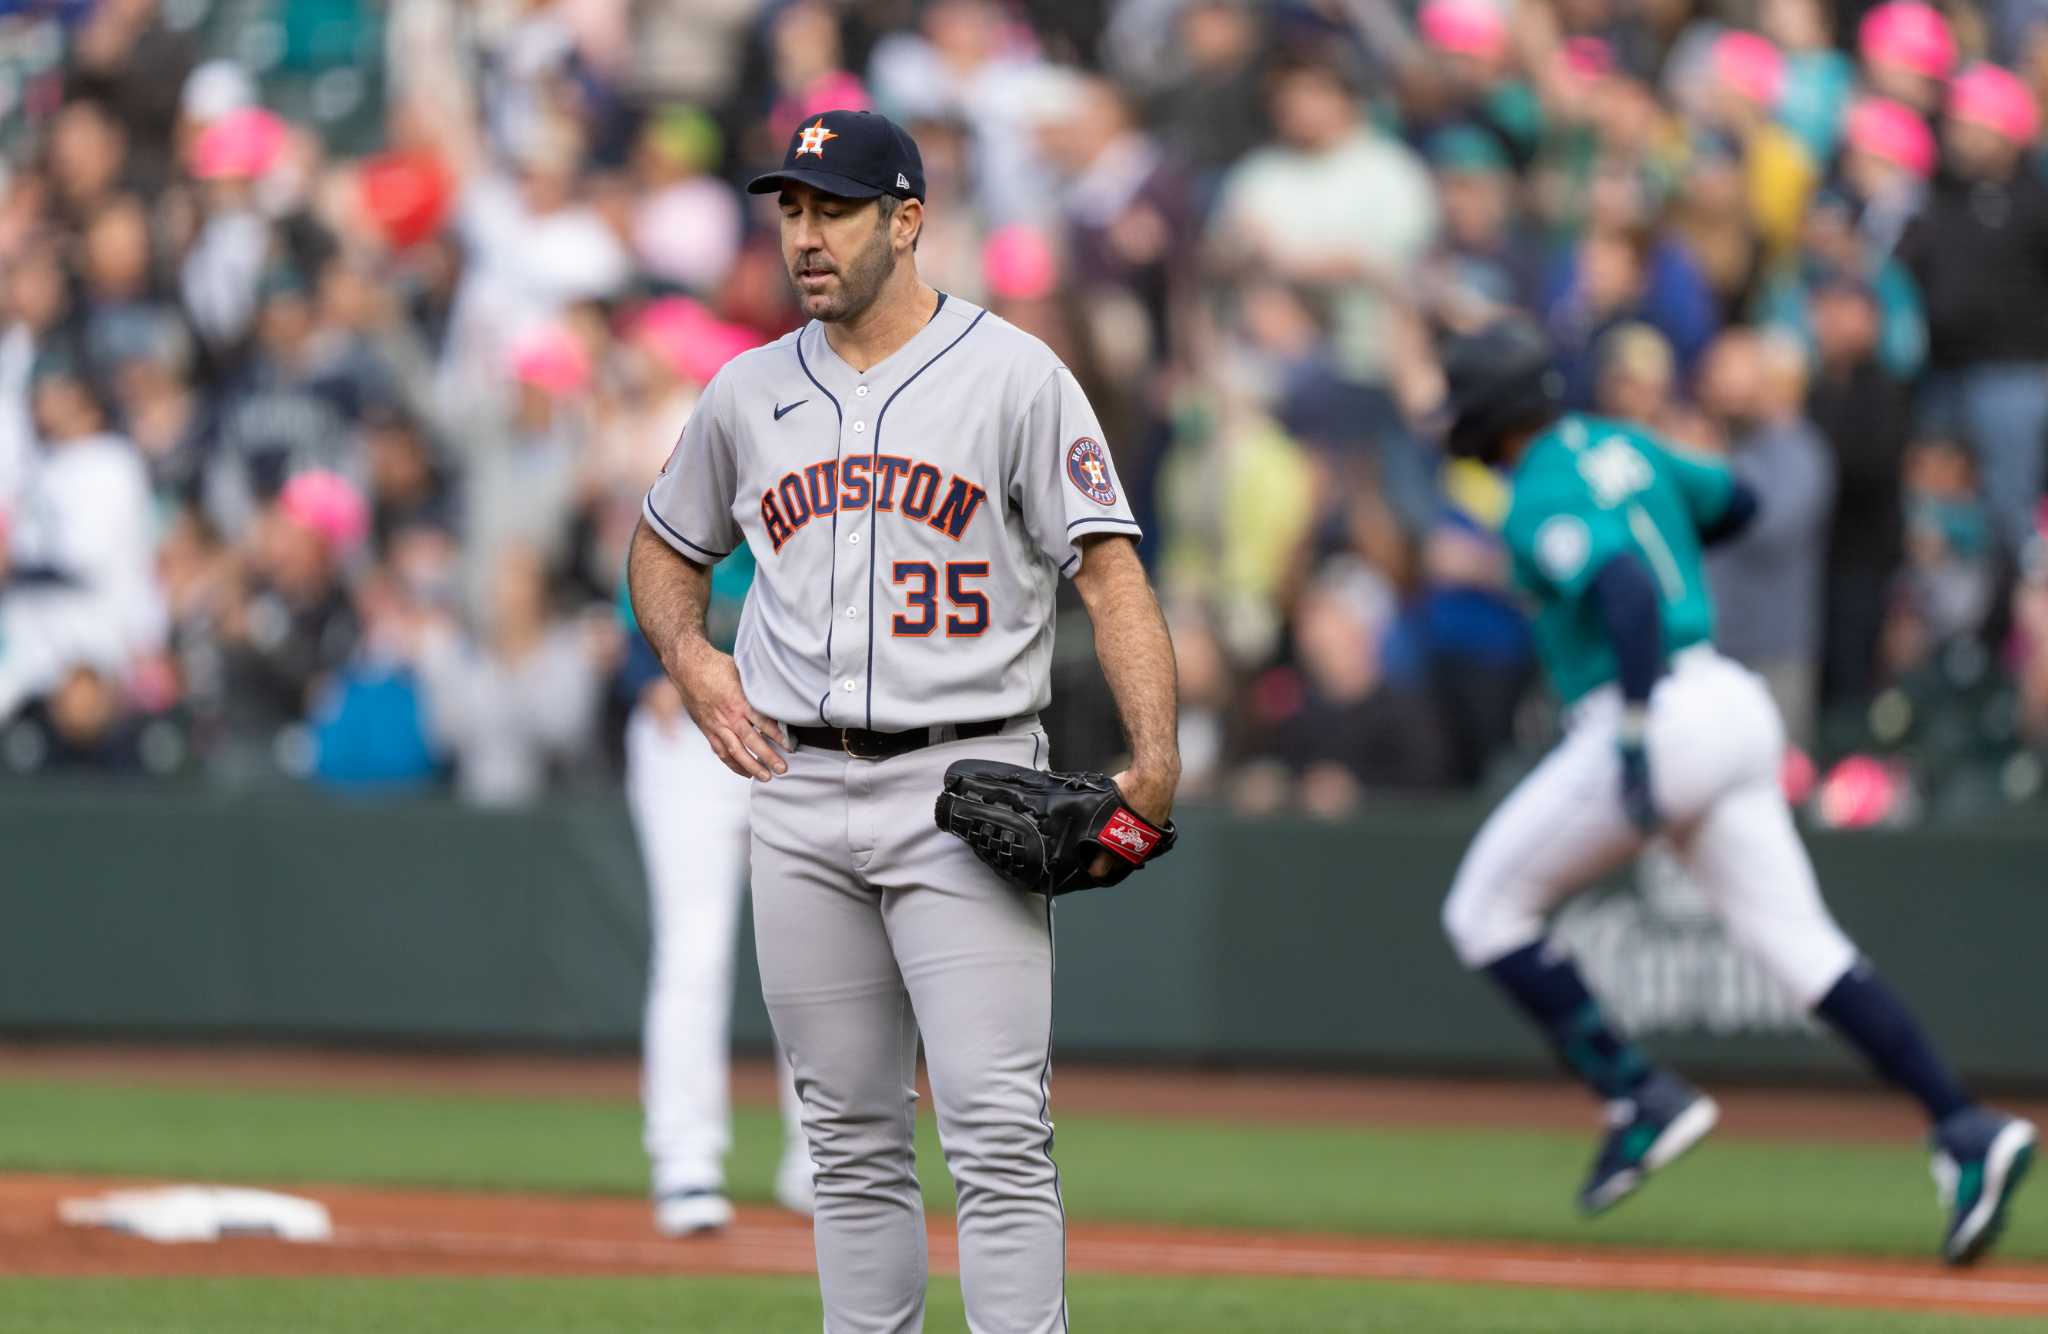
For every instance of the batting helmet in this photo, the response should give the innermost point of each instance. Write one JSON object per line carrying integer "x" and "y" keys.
{"x": 1498, "y": 380}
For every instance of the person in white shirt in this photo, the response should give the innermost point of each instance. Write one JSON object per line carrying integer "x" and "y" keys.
{"x": 81, "y": 584}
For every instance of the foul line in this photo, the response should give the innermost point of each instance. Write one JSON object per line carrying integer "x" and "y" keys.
{"x": 766, "y": 1251}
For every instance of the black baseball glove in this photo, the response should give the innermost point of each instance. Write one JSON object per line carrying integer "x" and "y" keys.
{"x": 1043, "y": 831}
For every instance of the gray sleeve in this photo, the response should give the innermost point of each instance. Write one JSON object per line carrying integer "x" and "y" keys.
{"x": 1796, "y": 491}
{"x": 448, "y": 679}
{"x": 1062, "y": 479}
{"x": 690, "y": 504}
{"x": 562, "y": 713}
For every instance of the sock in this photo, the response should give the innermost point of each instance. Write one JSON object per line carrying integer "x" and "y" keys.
{"x": 1872, "y": 1018}
{"x": 1551, "y": 992}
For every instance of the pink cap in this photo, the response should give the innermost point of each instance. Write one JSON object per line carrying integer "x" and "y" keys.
{"x": 1859, "y": 792}
{"x": 1894, "y": 132}
{"x": 1909, "y": 34}
{"x": 551, "y": 358}
{"x": 694, "y": 342}
{"x": 329, "y": 506}
{"x": 240, "y": 146}
{"x": 1018, "y": 263}
{"x": 1589, "y": 57}
{"x": 834, "y": 90}
{"x": 1465, "y": 27}
{"x": 1984, "y": 94}
{"x": 1751, "y": 65}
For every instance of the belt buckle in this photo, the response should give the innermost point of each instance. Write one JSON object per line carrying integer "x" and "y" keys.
{"x": 846, "y": 744}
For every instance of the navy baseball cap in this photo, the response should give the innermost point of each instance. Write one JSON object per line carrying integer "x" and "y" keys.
{"x": 853, "y": 154}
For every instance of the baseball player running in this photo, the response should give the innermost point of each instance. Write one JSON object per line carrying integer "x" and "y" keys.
{"x": 691, "y": 819}
{"x": 912, "y": 474}
{"x": 1663, "y": 735}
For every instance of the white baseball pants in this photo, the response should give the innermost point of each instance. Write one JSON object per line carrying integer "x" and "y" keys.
{"x": 690, "y": 812}
{"x": 1715, "y": 744}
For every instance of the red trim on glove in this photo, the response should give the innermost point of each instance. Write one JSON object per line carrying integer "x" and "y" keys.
{"x": 1128, "y": 837}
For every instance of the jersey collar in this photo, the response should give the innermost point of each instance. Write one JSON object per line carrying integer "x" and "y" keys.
{"x": 914, "y": 353}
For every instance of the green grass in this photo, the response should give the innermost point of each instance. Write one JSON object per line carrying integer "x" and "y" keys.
{"x": 1734, "y": 1195}
{"x": 772, "y": 1306}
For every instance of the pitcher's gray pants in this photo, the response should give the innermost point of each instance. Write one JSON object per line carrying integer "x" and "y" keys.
{"x": 874, "y": 926}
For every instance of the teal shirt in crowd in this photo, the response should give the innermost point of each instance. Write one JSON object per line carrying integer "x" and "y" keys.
{"x": 730, "y": 580}
{"x": 1587, "y": 490}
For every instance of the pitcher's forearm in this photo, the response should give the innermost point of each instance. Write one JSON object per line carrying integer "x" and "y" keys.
{"x": 1136, "y": 652}
{"x": 669, "y": 596}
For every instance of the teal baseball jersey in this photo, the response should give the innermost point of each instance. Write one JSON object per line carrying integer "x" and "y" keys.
{"x": 1590, "y": 489}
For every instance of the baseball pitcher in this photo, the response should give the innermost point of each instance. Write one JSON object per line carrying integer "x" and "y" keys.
{"x": 1663, "y": 736}
{"x": 913, "y": 475}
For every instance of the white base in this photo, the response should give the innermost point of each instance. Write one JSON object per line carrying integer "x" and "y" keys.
{"x": 173, "y": 1214}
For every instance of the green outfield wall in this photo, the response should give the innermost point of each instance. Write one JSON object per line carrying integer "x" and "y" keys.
{"x": 295, "y": 917}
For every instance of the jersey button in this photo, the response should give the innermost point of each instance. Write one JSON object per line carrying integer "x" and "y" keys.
{"x": 858, "y": 427}
{"x": 852, "y": 612}
{"x": 861, "y": 392}
{"x": 853, "y": 538}
{"x": 846, "y": 685}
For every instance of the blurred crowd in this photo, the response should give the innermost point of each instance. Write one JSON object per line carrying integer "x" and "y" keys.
{"x": 339, "y": 342}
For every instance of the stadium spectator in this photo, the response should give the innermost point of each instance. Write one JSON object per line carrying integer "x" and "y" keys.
{"x": 1768, "y": 583}
{"x": 518, "y": 705}
{"x": 369, "y": 721}
{"x": 410, "y": 485}
{"x": 81, "y": 591}
{"x": 294, "y": 623}
{"x": 1864, "y": 413}
{"x": 1331, "y": 727}
{"x": 1127, "y": 219}
{"x": 686, "y": 221}
{"x": 963, "y": 61}
{"x": 1489, "y": 259}
{"x": 127, "y": 59}
{"x": 1638, "y": 377}
{"x": 1201, "y": 88}
{"x": 1618, "y": 276}
{"x": 40, "y": 322}
{"x": 1979, "y": 251}
{"x": 1335, "y": 206}
{"x": 1950, "y": 581}
{"x": 519, "y": 476}
{"x": 1907, "y": 53}
{"x": 1241, "y": 225}
{"x": 1818, "y": 77}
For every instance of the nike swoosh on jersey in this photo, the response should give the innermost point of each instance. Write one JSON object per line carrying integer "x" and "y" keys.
{"x": 780, "y": 411}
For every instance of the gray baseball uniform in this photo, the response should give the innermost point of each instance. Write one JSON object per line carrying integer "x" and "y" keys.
{"x": 910, "y": 522}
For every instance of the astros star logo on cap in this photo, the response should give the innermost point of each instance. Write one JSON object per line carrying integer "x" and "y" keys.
{"x": 814, "y": 137}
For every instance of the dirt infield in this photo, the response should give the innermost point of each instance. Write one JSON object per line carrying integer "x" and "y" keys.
{"x": 382, "y": 1232}
{"x": 441, "y": 1232}
{"x": 1238, "y": 1095}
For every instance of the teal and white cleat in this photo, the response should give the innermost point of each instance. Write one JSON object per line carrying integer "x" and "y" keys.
{"x": 1980, "y": 1157}
{"x": 1647, "y": 1131}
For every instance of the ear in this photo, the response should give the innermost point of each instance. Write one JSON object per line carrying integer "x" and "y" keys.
{"x": 909, "y": 221}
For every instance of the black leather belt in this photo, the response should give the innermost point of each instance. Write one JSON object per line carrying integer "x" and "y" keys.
{"x": 862, "y": 744}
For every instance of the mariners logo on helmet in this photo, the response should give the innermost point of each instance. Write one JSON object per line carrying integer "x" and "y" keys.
{"x": 1088, "y": 470}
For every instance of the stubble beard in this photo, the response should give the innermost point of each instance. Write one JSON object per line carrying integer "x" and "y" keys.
{"x": 860, "y": 282}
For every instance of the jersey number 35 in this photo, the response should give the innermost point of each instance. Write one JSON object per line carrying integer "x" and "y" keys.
{"x": 969, "y": 616}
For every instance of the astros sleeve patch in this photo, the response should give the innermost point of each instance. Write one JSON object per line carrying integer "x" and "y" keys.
{"x": 1065, "y": 481}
